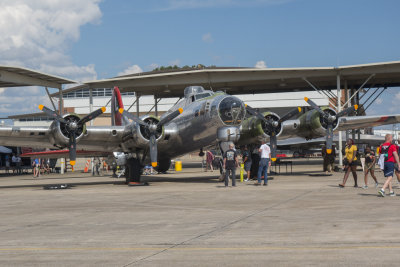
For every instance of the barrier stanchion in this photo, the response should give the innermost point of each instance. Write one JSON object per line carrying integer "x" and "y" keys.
{"x": 241, "y": 172}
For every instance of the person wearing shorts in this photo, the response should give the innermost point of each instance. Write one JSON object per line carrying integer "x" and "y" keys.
{"x": 391, "y": 158}
{"x": 370, "y": 160}
{"x": 351, "y": 164}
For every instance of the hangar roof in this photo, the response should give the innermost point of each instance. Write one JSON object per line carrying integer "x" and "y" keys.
{"x": 18, "y": 76}
{"x": 253, "y": 80}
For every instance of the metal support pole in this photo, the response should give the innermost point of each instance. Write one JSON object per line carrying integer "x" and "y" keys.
{"x": 346, "y": 97}
{"x": 319, "y": 91}
{"x": 361, "y": 87}
{"x": 339, "y": 108}
{"x": 108, "y": 102}
{"x": 91, "y": 103}
{"x": 51, "y": 99}
{"x": 132, "y": 105}
{"x": 137, "y": 105}
{"x": 375, "y": 98}
{"x": 178, "y": 101}
{"x": 376, "y": 90}
{"x": 60, "y": 97}
{"x": 156, "y": 106}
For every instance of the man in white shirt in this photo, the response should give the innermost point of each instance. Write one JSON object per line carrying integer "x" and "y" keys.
{"x": 265, "y": 155}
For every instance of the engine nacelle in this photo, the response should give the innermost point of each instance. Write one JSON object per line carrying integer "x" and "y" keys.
{"x": 254, "y": 129}
{"x": 60, "y": 134}
{"x": 314, "y": 125}
{"x": 139, "y": 136}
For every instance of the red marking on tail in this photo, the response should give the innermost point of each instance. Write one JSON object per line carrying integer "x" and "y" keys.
{"x": 116, "y": 105}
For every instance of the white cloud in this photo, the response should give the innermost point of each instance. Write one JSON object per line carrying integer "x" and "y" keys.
{"x": 207, "y": 38}
{"x": 379, "y": 101}
{"x": 131, "y": 70}
{"x": 397, "y": 96}
{"x": 260, "y": 64}
{"x": 37, "y": 35}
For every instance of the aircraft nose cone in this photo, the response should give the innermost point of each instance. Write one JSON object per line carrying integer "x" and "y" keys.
{"x": 232, "y": 110}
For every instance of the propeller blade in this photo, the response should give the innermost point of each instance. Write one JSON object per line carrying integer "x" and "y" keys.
{"x": 254, "y": 112}
{"x": 132, "y": 117}
{"x": 347, "y": 111}
{"x": 153, "y": 150}
{"x": 273, "y": 142}
{"x": 92, "y": 115}
{"x": 72, "y": 149}
{"x": 314, "y": 106}
{"x": 170, "y": 117}
{"x": 52, "y": 114}
{"x": 290, "y": 114}
{"x": 329, "y": 138}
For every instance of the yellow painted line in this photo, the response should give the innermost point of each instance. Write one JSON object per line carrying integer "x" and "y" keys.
{"x": 200, "y": 248}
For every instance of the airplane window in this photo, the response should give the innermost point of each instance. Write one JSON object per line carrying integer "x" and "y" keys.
{"x": 200, "y": 96}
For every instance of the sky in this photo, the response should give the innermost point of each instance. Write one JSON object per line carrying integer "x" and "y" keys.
{"x": 94, "y": 39}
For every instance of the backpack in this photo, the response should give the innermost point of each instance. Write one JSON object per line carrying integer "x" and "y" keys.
{"x": 385, "y": 152}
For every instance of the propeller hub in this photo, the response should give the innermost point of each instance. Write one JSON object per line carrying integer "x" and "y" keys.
{"x": 275, "y": 123}
{"x": 73, "y": 125}
{"x": 153, "y": 127}
{"x": 331, "y": 118}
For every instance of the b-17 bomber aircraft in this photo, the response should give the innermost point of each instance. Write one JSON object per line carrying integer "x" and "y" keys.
{"x": 204, "y": 117}
{"x": 201, "y": 118}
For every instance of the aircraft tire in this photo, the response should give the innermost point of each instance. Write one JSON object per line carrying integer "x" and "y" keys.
{"x": 132, "y": 170}
{"x": 163, "y": 165}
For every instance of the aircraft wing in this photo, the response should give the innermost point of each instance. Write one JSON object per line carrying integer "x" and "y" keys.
{"x": 96, "y": 138}
{"x": 348, "y": 123}
{"x": 65, "y": 154}
{"x": 299, "y": 142}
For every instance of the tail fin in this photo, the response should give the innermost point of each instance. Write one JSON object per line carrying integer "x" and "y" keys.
{"x": 116, "y": 104}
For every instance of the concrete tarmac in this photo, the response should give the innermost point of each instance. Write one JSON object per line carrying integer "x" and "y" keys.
{"x": 190, "y": 219}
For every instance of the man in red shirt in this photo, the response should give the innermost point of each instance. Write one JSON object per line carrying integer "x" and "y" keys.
{"x": 389, "y": 151}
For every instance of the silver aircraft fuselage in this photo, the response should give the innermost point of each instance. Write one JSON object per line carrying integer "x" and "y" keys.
{"x": 198, "y": 124}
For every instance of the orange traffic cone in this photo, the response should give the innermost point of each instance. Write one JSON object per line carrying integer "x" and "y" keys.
{"x": 87, "y": 166}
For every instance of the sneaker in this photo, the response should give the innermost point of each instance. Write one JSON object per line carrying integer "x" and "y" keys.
{"x": 246, "y": 180}
{"x": 392, "y": 194}
{"x": 381, "y": 193}
{"x": 376, "y": 185}
{"x": 364, "y": 187}
{"x": 265, "y": 184}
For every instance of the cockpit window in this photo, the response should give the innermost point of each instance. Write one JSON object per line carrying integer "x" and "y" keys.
{"x": 231, "y": 111}
{"x": 200, "y": 96}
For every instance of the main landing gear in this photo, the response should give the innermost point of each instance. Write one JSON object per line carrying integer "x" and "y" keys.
{"x": 134, "y": 170}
